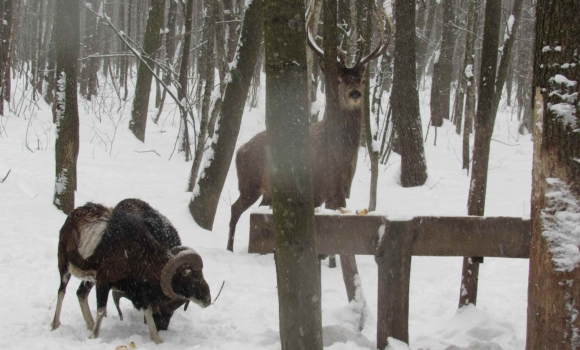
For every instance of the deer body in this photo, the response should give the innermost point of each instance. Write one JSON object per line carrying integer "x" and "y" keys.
{"x": 334, "y": 143}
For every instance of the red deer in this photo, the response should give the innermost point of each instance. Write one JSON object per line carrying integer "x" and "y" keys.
{"x": 334, "y": 141}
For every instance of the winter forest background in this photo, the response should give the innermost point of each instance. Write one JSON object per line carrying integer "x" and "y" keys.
{"x": 103, "y": 100}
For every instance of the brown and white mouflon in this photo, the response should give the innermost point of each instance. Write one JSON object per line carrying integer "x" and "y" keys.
{"x": 114, "y": 249}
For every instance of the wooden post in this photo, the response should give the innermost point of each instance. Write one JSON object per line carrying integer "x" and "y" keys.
{"x": 349, "y": 271}
{"x": 394, "y": 267}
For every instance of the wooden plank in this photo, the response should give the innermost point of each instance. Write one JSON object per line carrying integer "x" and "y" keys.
{"x": 335, "y": 234}
{"x": 432, "y": 236}
{"x": 394, "y": 273}
{"x": 472, "y": 236}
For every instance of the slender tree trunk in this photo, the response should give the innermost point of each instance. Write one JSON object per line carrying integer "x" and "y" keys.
{"x": 466, "y": 77}
{"x": 371, "y": 138}
{"x": 7, "y": 47}
{"x": 151, "y": 43}
{"x": 405, "y": 99}
{"x": 313, "y": 21}
{"x": 209, "y": 66}
{"x": 2, "y": 65}
{"x": 553, "y": 287}
{"x": 67, "y": 116}
{"x": 182, "y": 89}
{"x": 442, "y": 76}
{"x": 208, "y": 189}
{"x": 423, "y": 51}
{"x": 483, "y": 132}
{"x": 287, "y": 122}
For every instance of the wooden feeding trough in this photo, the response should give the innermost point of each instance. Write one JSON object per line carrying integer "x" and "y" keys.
{"x": 393, "y": 242}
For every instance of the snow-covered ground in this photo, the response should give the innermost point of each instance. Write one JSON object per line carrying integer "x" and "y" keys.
{"x": 246, "y": 314}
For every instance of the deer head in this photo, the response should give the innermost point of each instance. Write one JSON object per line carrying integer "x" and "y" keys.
{"x": 351, "y": 80}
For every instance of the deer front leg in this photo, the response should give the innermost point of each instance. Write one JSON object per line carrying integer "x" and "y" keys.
{"x": 152, "y": 328}
{"x": 102, "y": 296}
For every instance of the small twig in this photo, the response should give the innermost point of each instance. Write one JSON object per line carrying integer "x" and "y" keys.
{"x": 5, "y": 177}
{"x": 507, "y": 144}
{"x": 148, "y": 152}
{"x": 220, "y": 292}
{"x": 437, "y": 183}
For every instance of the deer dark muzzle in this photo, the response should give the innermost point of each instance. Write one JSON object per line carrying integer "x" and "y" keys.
{"x": 355, "y": 94}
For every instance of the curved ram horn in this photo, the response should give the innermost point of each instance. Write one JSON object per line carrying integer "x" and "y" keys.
{"x": 184, "y": 256}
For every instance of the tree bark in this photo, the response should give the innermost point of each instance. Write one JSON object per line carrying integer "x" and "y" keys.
{"x": 151, "y": 43}
{"x": 483, "y": 132}
{"x": 442, "y": 76}
{"x": 405, "y": 99}
{"x": 67, "y": 116}
{"x": 553, "y": 287}
{"x": 287, "y": 123}
{"x": 207, "y": 192}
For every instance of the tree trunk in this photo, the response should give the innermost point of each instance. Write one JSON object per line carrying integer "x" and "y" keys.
{"x": 442, "y": 76}
{"x": 467, "y": 79}
{"x": 7, "y": 35}
{"x": 405, "y": 99}
{"x": 313, "y": 21}
{"x": 2, "y": 65}
{"x": 371, "y": 138}
{"x": 553, "y": 287}
{"x": 209, "y": 66}
{"x": 483, "y": 132}
{"x": 207, "y": 192}
{"x": 182, "y": 89}
{"x": 287, "y": 122}
{"x": 423, "y": 52}
{"x": 151, "y": 43}
{"x": 67, "y": 115}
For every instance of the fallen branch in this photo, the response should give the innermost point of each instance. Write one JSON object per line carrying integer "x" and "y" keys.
{"x": 148, "y": 152}
{"x": 5, "y": 177}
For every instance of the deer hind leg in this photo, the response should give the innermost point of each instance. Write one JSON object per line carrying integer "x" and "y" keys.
{"x": 241, "y": 205}
{"x": 64, "y": 278}
{"x": 82, "y": 295}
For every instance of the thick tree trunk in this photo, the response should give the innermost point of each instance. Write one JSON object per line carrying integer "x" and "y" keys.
{"x": 67, "y": 115}
{"x": 405, "y": 99}
{"x": 151, "y": 43}
{"x": 287, "y": 122}
{"x": 208, "y": 189}
{"x": 483, "y": 132}
{"x": 553, "y": 287}
{"x": 442, "y": 76}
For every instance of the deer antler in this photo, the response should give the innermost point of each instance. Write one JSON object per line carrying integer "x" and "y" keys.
{"x": 382, "y": 47}
{"x": 313, "y": 45}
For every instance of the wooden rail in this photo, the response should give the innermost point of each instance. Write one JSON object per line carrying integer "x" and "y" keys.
{"x": 394, "y": 242}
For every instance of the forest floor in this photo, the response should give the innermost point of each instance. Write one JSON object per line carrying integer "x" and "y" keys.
{"x": 113, "y": 165}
